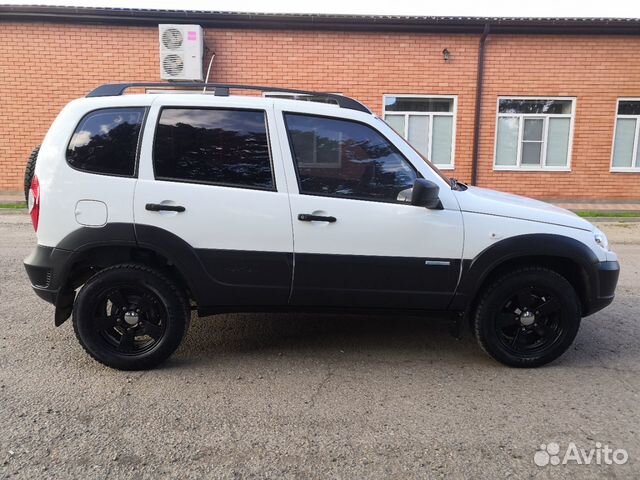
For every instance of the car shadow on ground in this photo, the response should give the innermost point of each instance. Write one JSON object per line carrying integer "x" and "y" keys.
{"x": 423, "y": 339}
{"x": 293, "y": 332}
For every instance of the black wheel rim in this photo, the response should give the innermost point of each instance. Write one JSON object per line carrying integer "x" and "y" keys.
{"x": 130, "y": 319}
{"x": 531, "y": 321}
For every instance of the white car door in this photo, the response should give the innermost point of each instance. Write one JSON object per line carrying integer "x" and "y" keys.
{"x": 356, "y": 243}
{"x": 212, "y": 198}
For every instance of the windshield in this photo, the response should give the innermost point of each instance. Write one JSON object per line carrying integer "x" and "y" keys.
{"x": 427, "y": 161}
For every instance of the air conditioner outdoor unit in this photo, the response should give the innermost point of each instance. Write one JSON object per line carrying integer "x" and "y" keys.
{"x": 181, "y": 51}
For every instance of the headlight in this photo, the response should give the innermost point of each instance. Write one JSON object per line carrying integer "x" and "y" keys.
{"x": 601, "y": 239}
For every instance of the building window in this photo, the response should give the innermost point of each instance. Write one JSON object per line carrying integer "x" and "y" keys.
{"x": 534, "y": 133}
{"x": 626, "y": 148}
{"x": 428, "y": 124}
{"x": 306, "y": 97}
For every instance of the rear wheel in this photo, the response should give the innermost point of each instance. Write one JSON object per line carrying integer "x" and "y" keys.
{"x": 528, "y": 317}
{"x": 130, "y": 317}
{"x": 29, "y": 171}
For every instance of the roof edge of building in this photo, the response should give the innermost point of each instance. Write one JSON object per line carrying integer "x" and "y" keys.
{"x": 379, "y": 23}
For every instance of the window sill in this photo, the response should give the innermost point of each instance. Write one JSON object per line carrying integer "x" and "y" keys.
{"x": 530, "y": 169}
{"x": 445, "y": 167}
{"x": 625, "y": 170}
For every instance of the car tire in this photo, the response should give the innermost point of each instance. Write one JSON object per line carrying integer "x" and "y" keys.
{"x": 527, "y": 317}
{"x": 29, "y": 171}
{"x": 130, "y": 317}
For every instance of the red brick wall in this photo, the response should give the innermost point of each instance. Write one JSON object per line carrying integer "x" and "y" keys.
{"x": 595, "y": 70}
{"x": 45, "y": 65}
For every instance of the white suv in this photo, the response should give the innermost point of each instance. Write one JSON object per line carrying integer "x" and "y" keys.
{"x": 147, "y": 206}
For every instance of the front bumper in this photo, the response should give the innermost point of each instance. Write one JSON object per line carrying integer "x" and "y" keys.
{"x": 46, "y": 268}
{"x": 604, "y": 282}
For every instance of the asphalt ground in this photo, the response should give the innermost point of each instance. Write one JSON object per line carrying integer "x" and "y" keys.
{"x": 312, "y": 396}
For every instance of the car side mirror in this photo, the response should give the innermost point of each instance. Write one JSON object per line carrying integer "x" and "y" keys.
{"x": 425, "y": 194}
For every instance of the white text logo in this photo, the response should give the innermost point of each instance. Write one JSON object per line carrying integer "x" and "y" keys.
{"x": 550, "y": 454}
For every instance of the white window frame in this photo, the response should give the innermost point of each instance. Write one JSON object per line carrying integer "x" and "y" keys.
{"x": 519, "y": 167}
{"x": 405, "y": 134}
{"x": 279, "y": 96}
{"x": 315, "y": 164}
{"x": 636, "y": 138}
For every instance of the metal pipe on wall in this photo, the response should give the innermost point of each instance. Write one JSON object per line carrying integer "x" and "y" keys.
{"x": 478, "y": 107}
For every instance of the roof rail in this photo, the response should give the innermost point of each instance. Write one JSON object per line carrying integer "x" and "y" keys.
{"x": 222, "y": 89}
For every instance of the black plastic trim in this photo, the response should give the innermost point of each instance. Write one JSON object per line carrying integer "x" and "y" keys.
{"x": 235, "y": 280}
{"x": 222, "y": 89}
{"x": 112, "y": 234}
{"x": 608, "y": 273}
{"x": 475, "y": 271}
{"x": 59, "y": 260}
{"x": 50, "y": 263}
{"x": 239, "y": 280}
{"x": 160, "y": 207}
{"x": 223, "y": 277}
{"x": 307, "y": 217}
{"x": 214, "y": 277}
{"x": 364, "y": 281}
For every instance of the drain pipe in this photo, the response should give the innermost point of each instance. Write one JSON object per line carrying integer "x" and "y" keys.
{"x": 476, "y": 125}
{"x": 206, "y": 80}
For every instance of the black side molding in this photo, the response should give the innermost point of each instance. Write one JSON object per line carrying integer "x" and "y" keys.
{"x": 223, "y": 277}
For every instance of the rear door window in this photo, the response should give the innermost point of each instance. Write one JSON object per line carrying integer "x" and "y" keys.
{"x": 213, "y": 146}
{"x": 106, "y": 141}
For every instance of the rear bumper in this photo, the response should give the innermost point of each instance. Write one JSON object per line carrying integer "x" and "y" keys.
{"x": 603, "y": 292}
{"x": 45, "y": 267}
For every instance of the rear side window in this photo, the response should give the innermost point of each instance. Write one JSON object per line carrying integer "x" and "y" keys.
{"x": 213, "y": 146}
{"x": 106, "y": 141}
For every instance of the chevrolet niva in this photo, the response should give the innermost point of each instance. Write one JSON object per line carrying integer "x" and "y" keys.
{"x": 147, "y": 206}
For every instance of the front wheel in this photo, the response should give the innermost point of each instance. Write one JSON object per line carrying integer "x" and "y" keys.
{"x": 130, "y": 317}
{"x": 528, "y": 317}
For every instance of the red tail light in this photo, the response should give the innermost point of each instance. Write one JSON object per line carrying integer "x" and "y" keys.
{"x": 34, "y": 202}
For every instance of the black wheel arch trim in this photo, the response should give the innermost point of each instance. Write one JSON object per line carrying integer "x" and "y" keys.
{"x": 177, "y": 251}
{"x": 117, "y": 242}
{"x": 478, "y": 269}
{"x": 86, "y": 238}
{"x": 180, "y": 253}
{"x": 81, "y": 242}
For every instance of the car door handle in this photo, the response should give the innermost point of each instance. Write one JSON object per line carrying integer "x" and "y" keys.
{"x": 157, "y": 207}
{"x": 306, "y": 217}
